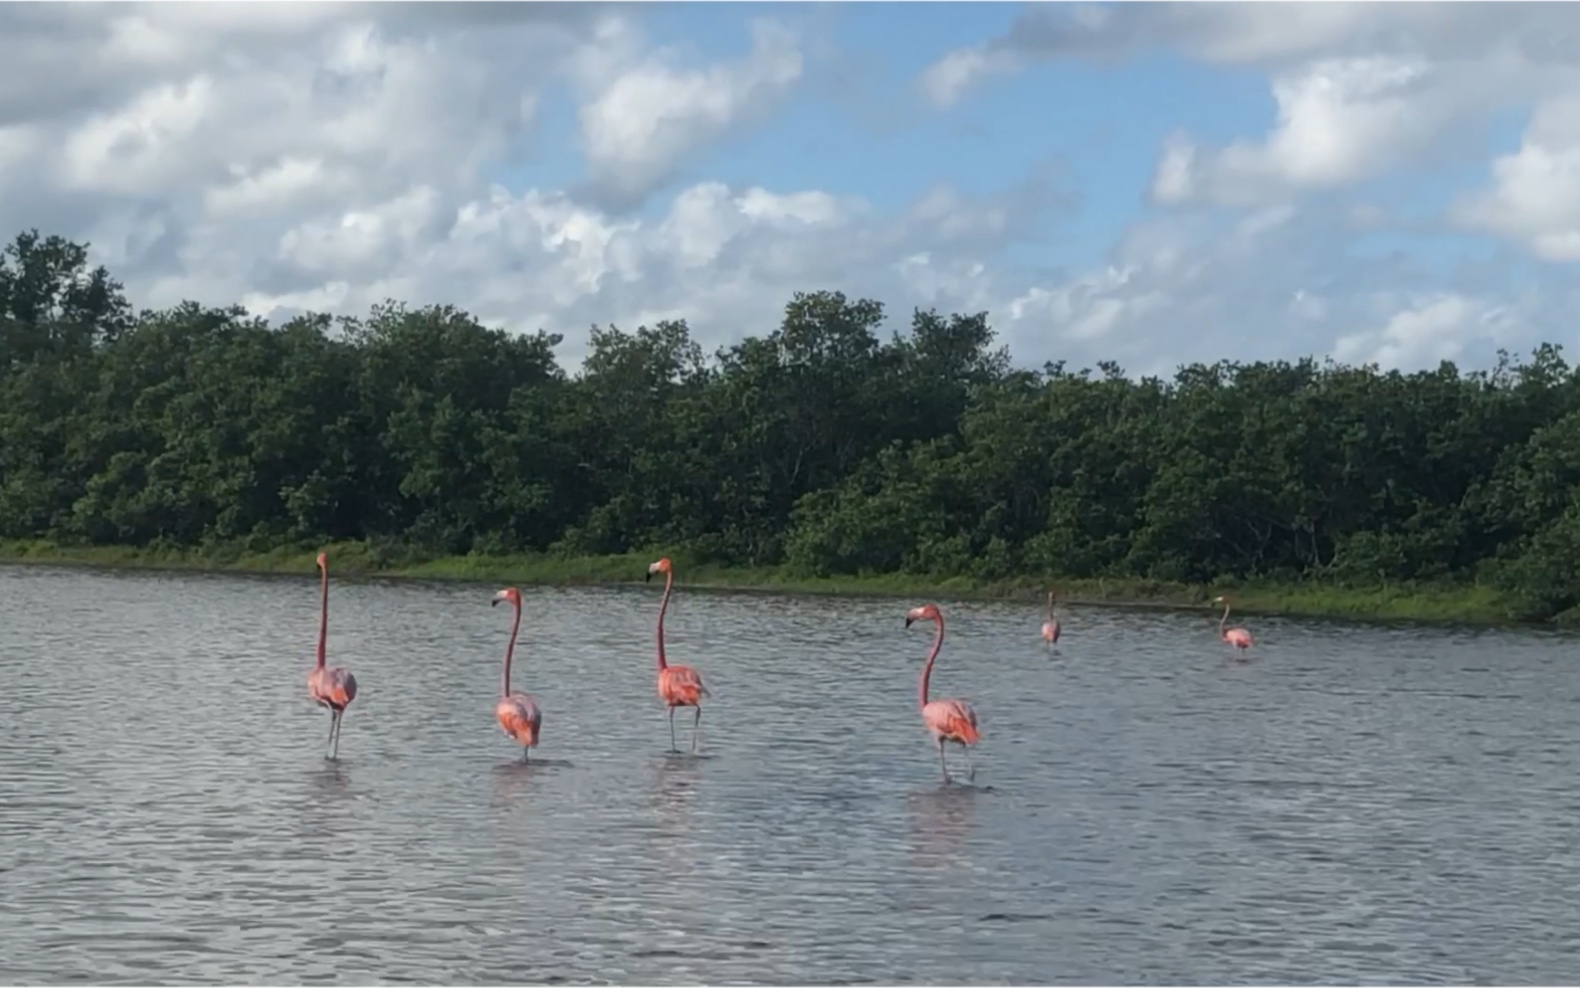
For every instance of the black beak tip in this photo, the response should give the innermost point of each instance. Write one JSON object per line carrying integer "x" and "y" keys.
{"x": 647, "y": 577}
{"x": 908, "y": 622}
{"x": 493, "y": 602}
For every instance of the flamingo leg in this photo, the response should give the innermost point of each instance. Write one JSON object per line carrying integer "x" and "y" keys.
{"x": 672, "y": 730}
{"x": 696, "y": 725}
{"x": 971, "y": 769}
{"x": 339, "y": 721}
{"x": 526, "y": 753}
{"x": 942, "y": 764}
{"x": 330, "y": 741}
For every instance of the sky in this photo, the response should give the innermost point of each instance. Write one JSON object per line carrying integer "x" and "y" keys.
{"x": 1154, "y": 184}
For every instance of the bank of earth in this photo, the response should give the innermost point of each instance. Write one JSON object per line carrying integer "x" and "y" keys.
{"x": 1438, "y": 604}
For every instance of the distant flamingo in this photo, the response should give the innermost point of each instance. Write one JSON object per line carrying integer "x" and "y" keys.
{"x": 678, "y": 686}
{"x": 945, "y": 720}
{"x": 333, "y": 688}
{"x": 517, "y": 713}
{"x": 1238, "y": 637}
{"x": 1050, "y": 627}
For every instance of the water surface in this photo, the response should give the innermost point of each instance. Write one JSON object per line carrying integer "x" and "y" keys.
{"x": 1357, "y": 805}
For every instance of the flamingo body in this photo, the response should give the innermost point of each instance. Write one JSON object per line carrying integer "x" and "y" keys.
{"x": 681, "y": 686}
{"x": 951, "y": 720}
{"x": 518, "y": 714}
{"x": 334, "y": 688}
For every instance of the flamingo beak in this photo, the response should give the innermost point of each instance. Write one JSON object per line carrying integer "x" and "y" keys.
{"x": 648, "y": 577}
{"x": 908, "y": 620}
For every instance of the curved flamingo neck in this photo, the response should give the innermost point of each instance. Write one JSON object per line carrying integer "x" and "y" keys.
{"x": 510, "y": 649}
{"x": 669, "y": 583}
{"x": 1223, "y": 620}
{"x": 323, "y": 613}
{"x": 927, "y": 670}
{"x": 1050, "y": 607}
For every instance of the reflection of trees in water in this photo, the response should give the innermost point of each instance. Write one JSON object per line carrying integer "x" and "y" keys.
{"x": 941, "y": 823}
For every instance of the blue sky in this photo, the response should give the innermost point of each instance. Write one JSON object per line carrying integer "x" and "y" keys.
{"x": 1152, "y": 183}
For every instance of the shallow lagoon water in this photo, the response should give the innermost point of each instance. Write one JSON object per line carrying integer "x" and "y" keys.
{"x": 1356, "y": 804}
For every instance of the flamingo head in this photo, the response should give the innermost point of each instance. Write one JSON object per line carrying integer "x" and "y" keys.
{"x": 322, "y": 560}
{"x": 662, "y": 566}
{"x": 1220, "y": 599}
{"x": 927, "y": 612}
{"x": 1050, "y": 596}
{"x": 509, "y": 593}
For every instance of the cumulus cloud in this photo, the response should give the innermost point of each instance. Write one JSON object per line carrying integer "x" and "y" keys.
{"x": 1360, "y": 89}
{"x": 325, "y": 157}
{"x": 1274, "y": 283}
{"x": 1268, "y": 36}
{"x": 1339, "y": 121}
{"x": 1535, "y": 196}
{"x": 1427, "y": 330}
{"x": 642, "y": 121}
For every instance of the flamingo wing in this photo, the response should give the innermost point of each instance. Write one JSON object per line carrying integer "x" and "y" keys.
{"x": 342, "y": 686}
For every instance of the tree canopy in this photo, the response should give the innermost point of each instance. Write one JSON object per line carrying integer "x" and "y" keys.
{"x": 822, "y": 446}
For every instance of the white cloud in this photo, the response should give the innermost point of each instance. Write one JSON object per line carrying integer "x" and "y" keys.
{"x": 1361, "y": 89}
{"x": 646, "y": 119}
{"x": 1428, "y": 330}
{"x": 1271, "y": 36}
{"x": 946, "y": 81}
{"x": 1339, "y": 121}
{"x": 297, "y": 156}
{"x": 1535, "y": 198}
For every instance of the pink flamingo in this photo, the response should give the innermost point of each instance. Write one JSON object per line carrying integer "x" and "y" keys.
{"x": 1238, "y": 637}
{"x": 517, "y": 713}
{"x": 333, "y": 688}
{"x": 945, "y": 720}
{"x": 678, "y": 686}
{"x": 1050, "y": 627}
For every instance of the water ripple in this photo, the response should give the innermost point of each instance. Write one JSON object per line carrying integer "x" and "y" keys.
{"x": 1358, "y": 805}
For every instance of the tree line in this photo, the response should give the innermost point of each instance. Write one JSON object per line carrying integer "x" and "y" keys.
{"x": 823, "y": 446}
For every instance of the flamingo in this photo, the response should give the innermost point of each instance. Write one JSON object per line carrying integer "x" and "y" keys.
{"x": 1050, "y": 627}
{"x": 1238, "y": 637}
{"x": 945, "y": 720}
{"x": 334, "y": 688}
{"x": 678, "y": 686}
{"x": 517, "y": 713}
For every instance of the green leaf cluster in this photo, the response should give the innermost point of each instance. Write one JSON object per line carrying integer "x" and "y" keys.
{"x": 822, "y": 447}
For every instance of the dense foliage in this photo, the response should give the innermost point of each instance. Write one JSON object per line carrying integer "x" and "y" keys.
{"x": 821, "y": 446}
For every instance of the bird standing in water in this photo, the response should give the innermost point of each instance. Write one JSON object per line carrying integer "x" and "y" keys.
{"x": 1238, "y": 637}
{"x": 517, "y": 713}
{"x": 945, "y": 720}
{"x": 678, "y": 686}
{"x": 1050, "y": 627}
{"x": 334, "y": 688}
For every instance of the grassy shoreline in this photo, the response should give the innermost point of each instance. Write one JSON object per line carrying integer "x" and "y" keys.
{"x": 1440, "y": 604}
